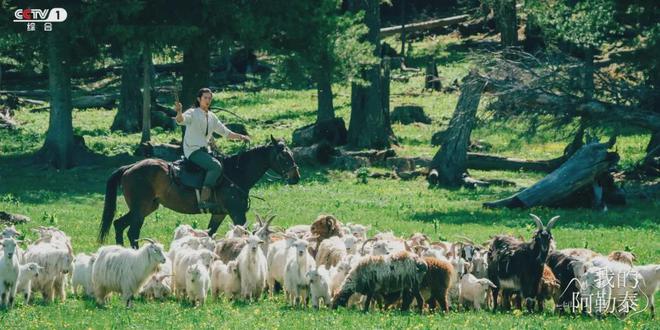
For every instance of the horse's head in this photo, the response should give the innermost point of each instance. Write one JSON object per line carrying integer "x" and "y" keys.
{"x": 280, "y": 160}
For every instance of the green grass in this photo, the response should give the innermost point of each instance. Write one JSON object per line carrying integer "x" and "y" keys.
{"x": 73, "y": 200}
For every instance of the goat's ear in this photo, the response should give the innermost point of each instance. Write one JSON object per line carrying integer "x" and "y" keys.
{"x": 491, "y": 284}
{"x": 552, "y": 222}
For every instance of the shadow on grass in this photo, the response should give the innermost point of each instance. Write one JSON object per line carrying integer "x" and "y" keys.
{"x": 570, "y": 218}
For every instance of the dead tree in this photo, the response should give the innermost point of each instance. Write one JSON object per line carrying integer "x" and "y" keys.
{"x": 584, "y": 175}
{"x": 449, "y": 164}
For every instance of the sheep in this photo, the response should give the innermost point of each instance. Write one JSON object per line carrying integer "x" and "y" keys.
{"x": 225, "y": 279}
{"x": 56, "y": 256}
{"x": 331, "y": 251}
{"x": 319, "y": 288}
{"x": 548, "y": 288}
{"x": 474, "y": 290}
{"x": 518, "y": 266}
{"x": 622, "y": 256}
{"x": 26, "y": 274}
{"x": 123, "y": 270}
{"x": 9, "y": 270}
{"x": 568, "y": 270}
{"x": 276, "y": 261}
{"x": 299, "y": 262}
{"x": 326, "y": 226}
{"x": 82, "y": 274}
{"x": 185, "y": 259}
{"x": 436, "y": 282}
{"x": 383, "y": 275}
{"x": 197, "y": 283}
{"x": 651, "y": 283}
{"x": 252, "y": 268}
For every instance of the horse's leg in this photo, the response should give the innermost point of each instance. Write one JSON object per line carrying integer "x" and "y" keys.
{"x": 215, "y": 222}
{"x": 120, "y": 225}
{"x": 238, "y": 217}
{"x": 138, "y": 220}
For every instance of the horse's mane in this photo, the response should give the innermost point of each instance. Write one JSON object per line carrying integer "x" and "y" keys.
{"x": 240, "y": 156}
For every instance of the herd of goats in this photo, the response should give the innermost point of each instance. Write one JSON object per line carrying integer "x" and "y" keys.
{"x": 331, "y": 264}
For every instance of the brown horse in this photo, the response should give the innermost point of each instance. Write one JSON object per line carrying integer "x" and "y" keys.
{"x": 148, "y": 184}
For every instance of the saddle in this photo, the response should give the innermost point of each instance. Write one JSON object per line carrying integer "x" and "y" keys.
{"x": 187, "y": 173}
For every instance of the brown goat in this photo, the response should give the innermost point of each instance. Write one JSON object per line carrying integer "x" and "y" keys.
{"x": 548, "y": 288}
{"x": 623, "y": 257}
{"x": 437, "y": 280}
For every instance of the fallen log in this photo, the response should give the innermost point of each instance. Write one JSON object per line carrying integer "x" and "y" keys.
{"x": 579, "y": 172}
{"x": 427, "y": 25}
{"x": 373, "y": 156}
{"x": 6, "y": 121}
{"x": 164, "y": 151}
{"x": 13, "y": 219}
{"x": 350, "y": 163}
{"x": 106, "y": 101}
{"x": 333, "y": 131}
{"x": 315, "y": 155}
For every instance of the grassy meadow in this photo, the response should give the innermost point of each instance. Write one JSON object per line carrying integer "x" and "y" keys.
{"x": 73, "y": 200}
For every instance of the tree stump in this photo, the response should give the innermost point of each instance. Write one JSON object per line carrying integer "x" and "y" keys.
{"x": 432, "y": 78}
{"x": 450, "y": 162}
{"x": 350, "y": 163}
{"x": 408, "y": 114}
{"x": 332, "y": 131}
{"x": 317, "y": 154}
{"x": 12, "y": 219}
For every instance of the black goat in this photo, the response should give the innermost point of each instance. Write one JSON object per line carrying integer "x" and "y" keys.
{"x": 565, "y": 267}
{"x": 514, "y": 265}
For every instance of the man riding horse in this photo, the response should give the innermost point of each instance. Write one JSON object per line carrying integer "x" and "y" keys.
{"x": 152, "y": 182}
{"x": 200, "y": 125}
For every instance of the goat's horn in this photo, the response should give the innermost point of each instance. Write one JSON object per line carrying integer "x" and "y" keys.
{"x": 405, "y": 243}
{"x": 365, "y": 243}
{"x": 259, "y": 219}
{"x": 466, "y": 239}
{"x": 537, "y": 220}
{"x": 270, "y": 220}
{"x": 146, "y": 239}
{"x": 552, "y": 222}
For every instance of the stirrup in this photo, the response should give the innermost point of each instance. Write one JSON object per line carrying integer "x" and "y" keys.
{"x": 204, "y": 207}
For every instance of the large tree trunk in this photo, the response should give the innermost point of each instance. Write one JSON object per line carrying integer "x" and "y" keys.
{"x": 58, "y": 149}
{"x": 533, "y": 34}
{"x": 326, "y": 110}
{"x": 450, "y": 162}
{"x": 368, "y": 127}
{"x": 196, "y": 69}
{"x": 651, "y": 162}
{"x": 584, "y": 170}
{"x": 146, "y": 94}
{"x": 507, "y": 23}
{"x": 128, "y": 115}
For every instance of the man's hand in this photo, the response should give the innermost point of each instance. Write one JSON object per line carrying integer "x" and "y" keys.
{"x": 179, "y": 116}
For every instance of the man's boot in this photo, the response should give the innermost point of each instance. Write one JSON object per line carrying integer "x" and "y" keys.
{"x": 205, "y": 199}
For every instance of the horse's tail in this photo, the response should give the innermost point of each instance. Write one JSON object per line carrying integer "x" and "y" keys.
{"x": 110, "y": 205}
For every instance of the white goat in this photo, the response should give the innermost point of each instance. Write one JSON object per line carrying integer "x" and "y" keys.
{"x": 197, "y": 283}
{"x": 225, "y": 279}
{"x": 82, "y": 274}
{"x": 298, "y": 263}
{"x": 650, "y": 284}
{"x": 319, "y": 281}
{"x": 26, "y": 274}
{"x": 9, "y": 270}
{"x": 55, "y": 255}
{"x": 252, "y": 267}
{"x": 276, "y": 260}
{"x": 184, "y": 259}
{"x": 118, "y": 269}
{"x": 474, "y": 290}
